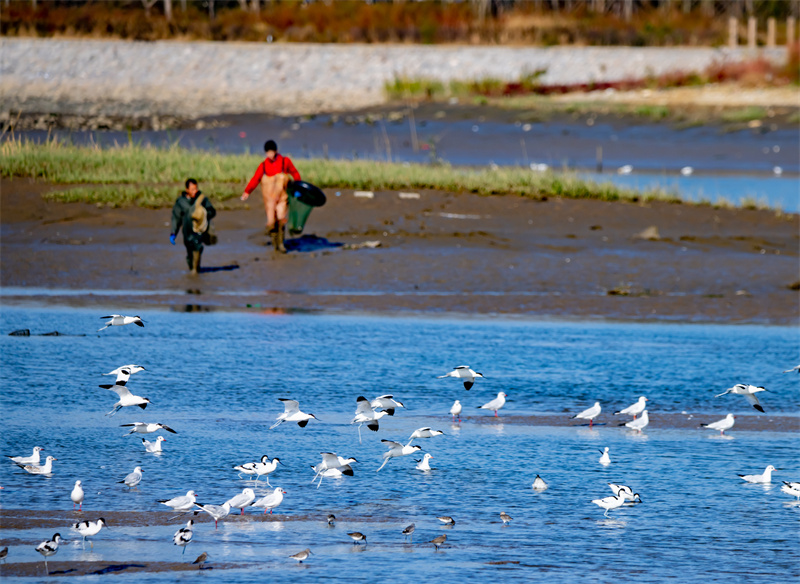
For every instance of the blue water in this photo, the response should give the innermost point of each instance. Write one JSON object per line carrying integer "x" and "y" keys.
{"x": 216, "y": 377}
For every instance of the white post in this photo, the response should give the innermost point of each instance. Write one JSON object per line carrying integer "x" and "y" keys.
{"x": 771, "y": 32}
{"x": 733, "y": 36}
{"x": 751, "y": 32}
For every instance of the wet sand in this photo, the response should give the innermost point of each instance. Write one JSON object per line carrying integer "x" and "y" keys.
{"x": 62, "y": 568}
{"x": 442, "y": 253}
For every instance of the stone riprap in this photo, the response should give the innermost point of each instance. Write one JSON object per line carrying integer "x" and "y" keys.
{"x": 194, "y": 79}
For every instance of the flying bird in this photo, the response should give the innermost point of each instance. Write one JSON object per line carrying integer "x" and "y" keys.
{"x": 120, "y": 320}
{"x": 387, "y": 403}
{"x": 465, "y": 373}
{"x": 366, "y": 415}
{"x": 425, "y": 433}
{"x": 126, "y": 398}
{"x": 332, "y": 466}
{"x": 292, "y": 413}
{"x": 131, "y": 369}
{"x": 396, "y": 449}
{"x": 142, "y": 428}
{"x": 748, "y": 391}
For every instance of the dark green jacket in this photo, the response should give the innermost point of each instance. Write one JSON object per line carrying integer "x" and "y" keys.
{"x": 182, "y": 213}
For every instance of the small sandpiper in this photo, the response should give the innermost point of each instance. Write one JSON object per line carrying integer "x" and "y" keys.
{"x": 505, "y": 517}
{"x": 331, "y": 519}
{"x": 437, "y": 541}
{"x": 358, "y": 537}
{"x": 300, "y": 556}
{"x": 447, "y": 520}
{"x": 409, "y": 531}
{"x": 201, "y": 559}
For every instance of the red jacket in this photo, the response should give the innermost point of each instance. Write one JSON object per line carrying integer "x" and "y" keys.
{"x": 271, "y": 168}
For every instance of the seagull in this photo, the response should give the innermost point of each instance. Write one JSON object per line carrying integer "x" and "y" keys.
{"x": 90, "y": 528}
{"x": 439, "y": 540}
{"x": 505, "y": 517}
{"x": 792, "y": 489}
{"x": 77, "y": 495}
{"x": 386, "y": 403}
{"x": 748, "y": 392}
{"x": 409, "y": 531}
{"x": 635, "y": 409}
{"x": 242, "y": 500}
{"x": 271, "y": 500}
{"x": 495, "y": 404}
{"x": 609, "y": 503}
{"x": 201, "y": 559}
{"x": 795, "y": 368}
{"x": 605, "y": 459}
{"x": 687, "y": 171}
{"x": 133, "y": 478}
{"x": 126, "y": 398}
{"x": 396, "y": 449}
{"x": 539, "y": 484}
{"x": 332, "y": 466}
{"x": 626, "y": 491}
{"x": 292, "y": 413}
{"x": 153, "y": 447}
{"x": 639, "y": 424}
{"x": 120, "y": 320}
{"x": 300, "y": 556}
{"x": 358, "y": 537}
{"x": 366, "y": 415}
{"x": 130, "y": 368}
{"x": 265, "y": 467}
{"x": 142, "y": 428}
{"x": 447, "y": 520}
{"x": 45, "y": 469}
{"x": 331, "y": 519}
{"x": 183, "y": 503}
{"x": 184, "y": 536}
{"x": 625, "y": 169}
{"x": 424, "y": 464}
{"x": 465, "y": 373}
{"x": 725, "y": 423}
{"x": 589, "y": 414}
{"x": 32, "y": 459}
{"x": 49, "y": 548}
{"x": 766, "y": 477}
{"x": 455, "y": 410}
{"x": 425, "y": 433}
{"x": 217, "y": 512}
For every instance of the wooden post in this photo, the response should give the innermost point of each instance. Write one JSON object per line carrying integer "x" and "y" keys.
{"x": 168, "y": 10}
{"x": 751, "y": 32}
{"x": 255, "y": 6}
{"x": 771, "y": 32}
{"x": 627, "y": 10}
{"x": 733, "y": 36}
{"x": 790, "y": 31}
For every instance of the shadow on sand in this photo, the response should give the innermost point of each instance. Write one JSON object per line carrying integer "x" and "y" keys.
{"x": 309, "y": 243}
{"x": 211, "y": 269}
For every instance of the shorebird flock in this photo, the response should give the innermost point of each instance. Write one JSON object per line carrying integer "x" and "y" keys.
{"x": 370, "y": 413}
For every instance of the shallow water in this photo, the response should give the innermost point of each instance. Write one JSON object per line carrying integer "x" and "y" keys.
{"x": 216, "y": 377}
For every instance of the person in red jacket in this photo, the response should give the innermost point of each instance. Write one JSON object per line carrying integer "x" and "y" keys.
{"x": 274, "y": 175}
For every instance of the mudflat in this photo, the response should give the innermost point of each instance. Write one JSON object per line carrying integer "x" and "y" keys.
{"x": 439, "y": 253}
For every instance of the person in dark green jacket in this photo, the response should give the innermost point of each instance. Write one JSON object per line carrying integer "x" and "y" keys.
{"x": 194, "y": 221}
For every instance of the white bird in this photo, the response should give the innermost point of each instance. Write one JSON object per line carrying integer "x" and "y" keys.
{"x": 687, "y": 170}
{"x": 133, "y": 478}
{"x": 589, "y": 414}
{"x": 332, "y": 466}
{"x": 626, "y": 492}
{"x": 386, "y": 403}
{"x": 639, "y": 424}
{"x": 765, "y": 477}
{"x": 777, "y": 170}
{"x": 49, "y": 548}
{"x": 32, "y": 459}
{"x": 77, "y": 495}
{"x": 609, "y": 503}
{"x": 184, "y": 536}
{"x": 425, "y": 433}
{"x": 300, "y": 556}
{"x": 292, "y": 413}
{"x": 455, "y": 410}
{"x": 366, "y": 415}
{"x": 142, "y": 428}
{"x": 725, "y": 423}
{"x": 217, "y": 512}
{"x": 45, "y": 469}
{"x": 539, "y": 484}
{"x": 625, "y": 169}
{"x": 396, "y": 449}
{"x": 131, "y": 369}
{"x": 792, "y": 489}
{"x": 90, "y": 528}
{"x": 605, "y": 459}
{"x": 153, "y": 446}
{"x": 126, "y": 398}
{"x": 266, "y": 466}
{"x": 120, "y": 320}
{"x": 495, "y": 404}
{"x": 242, "y": 500}
{"x": 183, "y": 503}
{"x": 271, "y": 500}
{"x": 795, "y": 368}
{"x": 249, "y": 468}
{"x": 635, "y": 409}
{"x": 748, "y": 391}
{"x": 424, "y": 464}
{"x": 465, "y": 373}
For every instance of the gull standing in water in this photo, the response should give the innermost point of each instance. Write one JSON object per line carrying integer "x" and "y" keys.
{"x": 765, "y": 477}
{"x": 495, "y": 404}
{"x": 424, "y": 464}
{"x": 126, "y": 398}
{"x": 153, "y": 447}
{"x": 387, "y": 403}
{"x": 635, "y": 409}
{"x": 455, "y": 411}
{"x": 605, "y": 460}
{"x": 49, "y": 548}
{"x": 792, "y": 489}
{"x": 292, "y": 413}
{"x": 89, "y": 529}
{"x": 610, "y": 503}
{"x": 32, "y": 459}
{"x": 45, "y": 469}
{"x": 366, "y": 415}
{"x": 133, "y": 478}
{"x": 748, "y": 391}
{"x": 217, "y": 512}
{"x": 725, "y": 423}
{"x": 120, "y": 320}
{"x": 396, "y": 449}
{"x": 183, "y": 503}
{"x": 539, "y": 484}
{"x": 271, "y": 500}
{"x": 300, "y": 556}
{"x": 589, "y": 414}
{"x": 184, "y": 536}
{"x": 639, "y": 424}
{"x": 465, "y": 373}
{"x": 242, "y": 500}
{"x": 77, "y": 495}
{"x": 142, "y": 428}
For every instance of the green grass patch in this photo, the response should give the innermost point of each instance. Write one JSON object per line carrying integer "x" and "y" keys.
{"x": 746, "y": 114}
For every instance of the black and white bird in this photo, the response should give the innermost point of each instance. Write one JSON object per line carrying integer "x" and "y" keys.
{"x": 455, "y": 411}
{"x": 120, "y": 320}
{"x": 439, "y": 540}
{"x": 131, "y": 369}
{"x": 539, "y": 484}
{"x": 365, "y": 414}
{"x": 725, "y": 423}
{"x": 153, "y": 447}
{"x": 45, "y": 469}
{"x": 495, "y": 404}
{"x": 424, "y": 463}
{"x": 32, "y": 459}
{"x": 270, "y": 500}
{"x": 387, "y": 403}
{"x": 425, "y": 433}
{"x": 765, "y": 477}
{"x": 3, "y": 554}
{"x": 589, "y": 413}
{"x": 358, "y": 537}
{"x": 626, "y": 492}
{"x": 89, "y": 529}
{"x": 77, "y": 495}
{"x": 142, "y": 428}
{"x": 301, "y": 556}
{"x": 795, "y": 368}
{"x": 249, "y": 468}
{"x": 217, "y": 512}
{"x": 126, "y": 398}
{"x": 409, "y": 531}
{"x": 133, "y": 478}
{"x": 181, "y": 504}
{"x": 447, "y": 520}
{"x": 610, "y": 503}
{"x": 265, "y": 467}
{"x": 464, "y": 373}
{"x": 242, "y": 500}
{"x": 49, "y": 548}
{"x": 791, "y": 488}
{"x": 183, "y": 536}
{"x": 332, "y": 466}
{"x": 635, "y": 409}
{"x": 396, "y": 449}
{"x": 748, "y": 391}
{"x": 331, "y": 520}
{"x": 292, "y": 413}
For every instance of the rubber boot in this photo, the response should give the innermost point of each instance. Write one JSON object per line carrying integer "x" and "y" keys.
{"x": 195, "y": 263}
{"x": 280, "y": 248}
{"x": 273, "y": 233}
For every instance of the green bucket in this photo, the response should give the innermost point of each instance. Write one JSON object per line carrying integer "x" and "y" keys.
{"x": 298, "y": 215}
{"x": 303, "y": 197}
